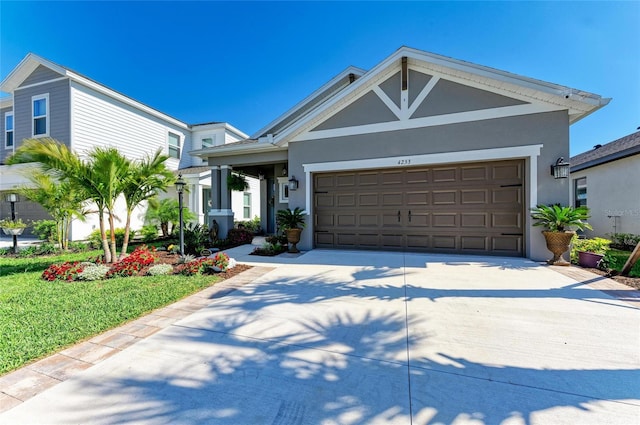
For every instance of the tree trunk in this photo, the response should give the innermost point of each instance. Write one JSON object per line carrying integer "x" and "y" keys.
{"x": 103, "y": 236}
{"x": 112, "y": 230}
{"x": 125, "y": 242}
{"x": 633, "y": 258}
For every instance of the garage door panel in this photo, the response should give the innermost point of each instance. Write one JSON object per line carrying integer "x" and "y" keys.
{"x": 507, "y": 245}
{"x": 368, "y": 179}
{"x": 368, "y": 200}
{"x": 476, "y": 220}
{"x": 503, "y": 220}
{"x": 324, "y": 200}
{"x": 395, "y": 199}
{"x": 368, "y": 220}
{"x": 418, "y": 219}
{"x": 444, "y": 197}
{"x": 347, "y": 220}
{"x": 507, "y": 195}
{"x": 417, "y": 198}
{"x": 444, "y": 241}
{"x": 474, "y": 243}
{"x": 346, "y": 180}
{"x": 444, "y": 220}
{"x": 466, "y": 208}
{"x": 346, "y": 200}
{"x": 441, "y": 175}
{"x": 475, "y": 196}
{"x": 417, "y": 177}
{"x": 474, "y": 174}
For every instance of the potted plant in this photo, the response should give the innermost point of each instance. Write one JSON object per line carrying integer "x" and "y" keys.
{"x": 13, "y": 227}
{"x": 292, "y": 222}
{"x": 558, "y": 222}
{"x": 589, "y": 252}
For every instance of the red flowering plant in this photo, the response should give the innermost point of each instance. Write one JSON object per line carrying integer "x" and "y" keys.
{"x": 131, "y": 265}
{"x": 221, "y": 260}
{"x": 67, "y": 271}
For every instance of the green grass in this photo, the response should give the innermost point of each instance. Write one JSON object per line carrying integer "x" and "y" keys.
{"x": 616, "y": 260}
{"x": 38, "y": 318}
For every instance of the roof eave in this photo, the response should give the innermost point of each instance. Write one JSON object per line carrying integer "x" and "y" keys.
{"x": 635, "y": 150}
{"x": 235, "y": 149}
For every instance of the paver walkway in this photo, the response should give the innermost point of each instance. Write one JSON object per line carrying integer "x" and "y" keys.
{"x": 342, "y": 337}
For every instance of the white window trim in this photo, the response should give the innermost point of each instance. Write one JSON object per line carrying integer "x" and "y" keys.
{"x": 180, "y": 136}
{"x": 46, "y": 115}
{"x": 244, "y": 205}
{"x": 9, "y": 114}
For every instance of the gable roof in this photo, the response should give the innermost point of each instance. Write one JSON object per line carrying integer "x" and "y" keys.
{"x": 29, "y": 64}
{"x": 601, "y": 154}
{"x": 578, "y": 103}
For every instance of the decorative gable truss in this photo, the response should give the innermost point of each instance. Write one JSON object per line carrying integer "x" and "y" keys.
{"x": 414, "y": 94}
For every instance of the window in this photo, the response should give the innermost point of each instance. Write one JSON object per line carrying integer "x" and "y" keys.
{"x": 580, "y": 192}
{"x": 206, "y": 201}
{"x": 174, "y": 146}
{"x": 246, "y": 205}
{"x": 40, "y": 114}
{"x": 207, "y": 142}
{"x": 8, "y": 130}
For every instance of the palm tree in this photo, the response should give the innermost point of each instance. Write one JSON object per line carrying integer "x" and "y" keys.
{"x": 144, "y": 180}
{"x": 61, "y": 199}
{"x": 109, "y": 170}
{"x": 100, "y": 177}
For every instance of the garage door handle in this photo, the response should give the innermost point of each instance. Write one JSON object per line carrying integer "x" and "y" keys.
{"x": 398, "y": 216}
{"x": 511, "y": 234}
{"x": 409, "y": 216}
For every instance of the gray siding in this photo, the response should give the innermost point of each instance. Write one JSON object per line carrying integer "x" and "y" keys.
{"x": 59, "y": 111}
{"x": 448, "y": 97}
{"x": 391, "y": 87}
{"x": 369, "y": 109}
{"x": 550, "y": 129}
{"x": 4, "y": 152}
{"x": 417, "y": 81}
{"x": 39, "y": 75}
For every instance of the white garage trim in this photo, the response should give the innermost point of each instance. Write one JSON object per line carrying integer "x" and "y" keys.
{"x": 530, "y": 152}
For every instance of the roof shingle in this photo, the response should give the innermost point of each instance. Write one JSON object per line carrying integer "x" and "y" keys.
{"x": 621, "y": 148}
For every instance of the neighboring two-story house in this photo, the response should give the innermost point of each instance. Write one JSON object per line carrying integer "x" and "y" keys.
{"x": 607, "y": 180}
{"x": 49, "y": 100}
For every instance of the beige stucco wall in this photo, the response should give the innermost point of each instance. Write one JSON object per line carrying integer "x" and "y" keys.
{"x": 613, "y": 189}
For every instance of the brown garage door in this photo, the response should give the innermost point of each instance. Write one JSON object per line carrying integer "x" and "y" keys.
{"x": 459, "y": 208}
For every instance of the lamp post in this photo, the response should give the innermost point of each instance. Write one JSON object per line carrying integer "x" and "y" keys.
{"x": 13, "y": 198}
{"x": 180, "y": 184}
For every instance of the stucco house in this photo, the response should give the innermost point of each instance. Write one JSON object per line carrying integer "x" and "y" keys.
{"x": 49, "y": 100}
{"x": 605, "y": 179}
{"x": 421, "y": 153}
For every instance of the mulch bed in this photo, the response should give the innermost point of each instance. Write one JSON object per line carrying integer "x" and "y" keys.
{"x": 165, "y": 257}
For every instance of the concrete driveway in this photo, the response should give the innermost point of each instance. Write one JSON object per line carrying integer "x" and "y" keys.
{"x": 341, "y": 337}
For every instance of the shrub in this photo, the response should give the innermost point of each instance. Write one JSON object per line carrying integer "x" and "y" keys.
{"x": 28, "y": 251}
{"x": 269, "y": 249}
{"x": 149, "y": 232}
{"x": 95, "y": 240}
{"x": 66, "y": 271}
{"x": 160, "y": 270}
{"x": 624, "y": 241}
{"x": 46, "y": 230}
{"x": 46, "y": 249}
{"x": 196, "y": 238}
{"x": 93, "y": 272}
{"x": 237, "y": 237}
{"x": 221, "y": 260}
{"x": 133, "y": 263}
{"x": 78, "y": 246}
{"x": 5, "y": 251}
{"x": 277, "y": 239}
{"x": 252, "y": 225}
{"x": 595, "y": 245}
{"x": 195, "y": 267}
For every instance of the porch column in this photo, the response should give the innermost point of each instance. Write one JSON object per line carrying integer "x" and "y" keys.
{"x": 221, "y": 210}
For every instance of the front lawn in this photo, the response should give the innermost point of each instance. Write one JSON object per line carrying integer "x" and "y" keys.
{"x": 38, "y": 318}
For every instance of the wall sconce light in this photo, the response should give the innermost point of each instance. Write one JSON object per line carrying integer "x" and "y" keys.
{"x": 260, "y": 176}
{"x": 284, "y": 171}
{"x": 293, "y": 183}
{"x": 560, "y": 170}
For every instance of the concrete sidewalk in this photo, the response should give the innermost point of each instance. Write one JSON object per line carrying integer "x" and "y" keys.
{"x": 374, "y": 337}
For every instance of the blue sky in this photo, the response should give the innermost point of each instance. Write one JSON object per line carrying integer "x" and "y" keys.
{"x": 248, "y": 62}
